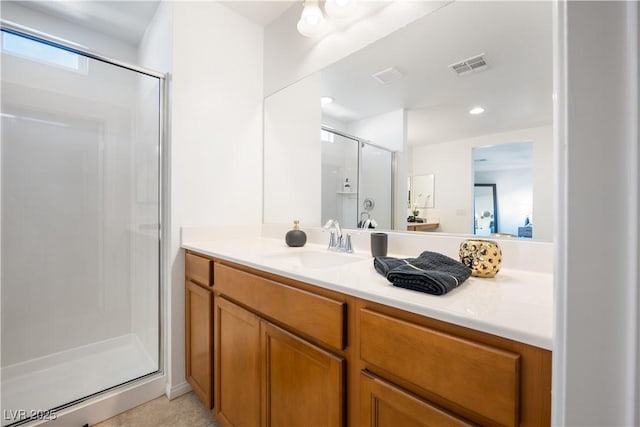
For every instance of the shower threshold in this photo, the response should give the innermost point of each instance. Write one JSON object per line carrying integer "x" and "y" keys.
{"x": 38, "y": 385}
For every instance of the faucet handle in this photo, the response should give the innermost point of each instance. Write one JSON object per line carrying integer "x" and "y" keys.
{"x": 333, "y": 242}
{"x": 346, "y": 245}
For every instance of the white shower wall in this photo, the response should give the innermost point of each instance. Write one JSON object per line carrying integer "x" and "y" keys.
{"x": 51, "y": 210}
{"x": 79, "y": 211}
{"x": 339, "y": 162}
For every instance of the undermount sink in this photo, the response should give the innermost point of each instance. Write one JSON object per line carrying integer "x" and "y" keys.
{"x": 310, "y": 259}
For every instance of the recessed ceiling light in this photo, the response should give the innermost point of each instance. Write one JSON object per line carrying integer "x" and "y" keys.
{"x": 476, "y": 110}
{"x": 326, "y": 100}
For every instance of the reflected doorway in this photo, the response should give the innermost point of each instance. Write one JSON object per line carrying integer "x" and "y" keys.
{"x": 485, "y": 210}
{"x": 503, "y": 190}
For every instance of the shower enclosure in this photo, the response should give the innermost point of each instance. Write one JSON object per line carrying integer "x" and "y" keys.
{"x": 357, "y": 181}
{"x": 80, "y": 225}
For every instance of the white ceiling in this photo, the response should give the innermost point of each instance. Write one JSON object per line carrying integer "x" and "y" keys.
{"x": 515, "y": 155}
{"x": 122, "y": 20}
{"x": 516, "y": 89}
{"x": 260, "y": 12}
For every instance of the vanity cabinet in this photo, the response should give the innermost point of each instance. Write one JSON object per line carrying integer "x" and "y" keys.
{"x": 422, "y": 226}
{"x": 442, "y": 374}
{"x": 237, "y": 365}
{"x": 288, "y": 353}
{"x": 199, "y": 326}
{"x": 385, "y": 405}
{"x": 276, "y": 375}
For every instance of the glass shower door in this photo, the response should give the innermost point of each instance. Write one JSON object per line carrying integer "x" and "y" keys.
{"x": 80, "y": 226}
{"x": 339, "y": 179}
{"x": 376, "y": 182}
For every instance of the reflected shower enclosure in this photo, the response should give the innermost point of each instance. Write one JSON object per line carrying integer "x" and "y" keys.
{"x": 81, "y": 140}
{"x": 357, "y": 181}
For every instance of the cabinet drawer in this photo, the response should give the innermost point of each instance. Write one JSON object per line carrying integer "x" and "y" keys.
{"x": 313, "y": 315}
{"x": 384, "y": 405}
{"x": 198, "y": 269}
{"x": 482, "y": 379}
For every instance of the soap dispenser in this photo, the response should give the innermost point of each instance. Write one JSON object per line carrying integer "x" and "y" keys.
{"x": 296, "y": 237}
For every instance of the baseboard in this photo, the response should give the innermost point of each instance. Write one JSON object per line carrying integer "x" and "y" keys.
{"x": 177, "y": 390}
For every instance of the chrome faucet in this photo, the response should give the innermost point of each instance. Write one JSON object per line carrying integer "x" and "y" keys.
{"x": 338, "y": 242}
{"x": 335, "y": 239}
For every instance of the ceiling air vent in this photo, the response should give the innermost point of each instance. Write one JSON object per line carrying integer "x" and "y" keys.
{"x": 388, "y": 75}
{"x": 476, "y": 63}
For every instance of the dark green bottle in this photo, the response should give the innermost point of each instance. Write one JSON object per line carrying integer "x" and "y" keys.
{"x": 296, "y": 237}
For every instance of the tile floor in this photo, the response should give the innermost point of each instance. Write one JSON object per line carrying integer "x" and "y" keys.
{"x": 183, "y": 411}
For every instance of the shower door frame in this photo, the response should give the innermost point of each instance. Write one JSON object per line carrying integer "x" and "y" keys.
{"x": 163, "y": 207}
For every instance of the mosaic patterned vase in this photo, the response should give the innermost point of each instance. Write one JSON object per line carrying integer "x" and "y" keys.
{"x": 483, "y": 257}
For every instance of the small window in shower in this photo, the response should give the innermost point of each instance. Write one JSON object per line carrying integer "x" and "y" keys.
{"x": 41, "y": 52}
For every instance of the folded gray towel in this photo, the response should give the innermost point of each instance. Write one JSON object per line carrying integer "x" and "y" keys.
{"x": 431, "y": 272}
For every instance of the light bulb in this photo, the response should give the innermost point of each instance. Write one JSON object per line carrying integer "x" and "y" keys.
{"x": 476, "y": 110}
{"x": 311, "y": 21}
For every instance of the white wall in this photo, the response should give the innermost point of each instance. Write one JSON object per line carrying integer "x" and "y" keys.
{"x": 292, "y": 154}
{"x": 452, "y": 164}
{"x": 333, "y": 123}
{"x": 596, "y": 357}
{"x": 216, "y": 137}
{"x": 384, "y": 130}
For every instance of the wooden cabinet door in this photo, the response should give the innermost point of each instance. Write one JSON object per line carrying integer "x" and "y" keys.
{"x": 199, "y": 341}
{"x": 303, "y": 385}
{"x": 237, "y": 365}
{"x": 384, "y": 405}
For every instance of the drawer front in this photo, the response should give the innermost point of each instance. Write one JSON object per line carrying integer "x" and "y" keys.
{"x": 482, "y": 379}
{"x": 313, "y": 315}
{"x": 384, "y": 405}
{"x": 198, "y": 269}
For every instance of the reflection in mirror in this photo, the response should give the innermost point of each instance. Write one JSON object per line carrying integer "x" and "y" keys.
{"x": 403, "y": 93}
{"x": 508, "y": 170}
{"x": 421, "y": 191}
{"x": 485, "y": 210}
{"x": 356, "y": 182}
{"x": 339, "y": 179}
{"x": 375, "y": 196}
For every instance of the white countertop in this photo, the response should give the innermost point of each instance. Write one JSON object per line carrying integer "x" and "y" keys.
{"x": 515, "y": 304}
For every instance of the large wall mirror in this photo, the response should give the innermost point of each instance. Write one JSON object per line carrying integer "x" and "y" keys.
{"x": 422, "y": 104}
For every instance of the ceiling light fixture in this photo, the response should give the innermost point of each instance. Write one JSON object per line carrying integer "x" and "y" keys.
{"x": 326, "y": 100}
{"x": 476, "y": 110}
{"x": 339, "y": 8}
{"x": 312, "y": 22}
